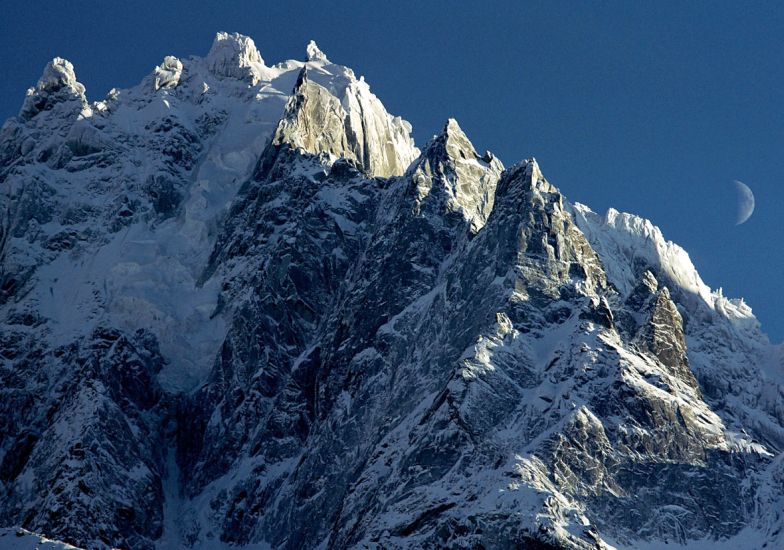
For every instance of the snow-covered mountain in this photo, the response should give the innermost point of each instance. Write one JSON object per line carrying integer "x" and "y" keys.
{"x": 239, "y": 307}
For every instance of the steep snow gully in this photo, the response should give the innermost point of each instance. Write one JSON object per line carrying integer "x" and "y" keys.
{"x": 240, "y": 308}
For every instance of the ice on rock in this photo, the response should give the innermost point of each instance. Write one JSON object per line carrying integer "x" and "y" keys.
{"x": 235, "y": 55}
{"x": 57, "y": 85}
{"x": 315, "y": 54}
{"x": 168, "y": 73}
{"x": 59, "y": 73}
{"x": 641, "y": 243}
{"x": 629, "y": 243}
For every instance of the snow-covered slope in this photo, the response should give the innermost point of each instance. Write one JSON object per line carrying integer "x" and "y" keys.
{"x": 19, "y": 539}
{"x": 157, "y": 166}
{"x": 240, "y": 307}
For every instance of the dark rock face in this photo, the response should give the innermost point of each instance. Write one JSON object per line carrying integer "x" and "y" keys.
{"x": 86, "y": 434}
{"x": 250, "y": 318}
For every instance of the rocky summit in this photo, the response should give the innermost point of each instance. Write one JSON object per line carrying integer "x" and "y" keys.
{"x": 240, "y": 308}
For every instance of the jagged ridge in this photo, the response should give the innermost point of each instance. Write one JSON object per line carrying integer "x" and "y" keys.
{"x": 239, "y": 306}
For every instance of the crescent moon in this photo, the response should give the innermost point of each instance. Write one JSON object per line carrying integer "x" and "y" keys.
{"x": 745, "y": 202}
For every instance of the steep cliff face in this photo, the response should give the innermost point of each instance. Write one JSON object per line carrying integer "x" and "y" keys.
{"x": 350, "y": 123}
{"x": 240, "y": 307}
{"x": 450, "y": 176}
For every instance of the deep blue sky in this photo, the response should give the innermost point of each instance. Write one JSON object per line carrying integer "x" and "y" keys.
{"x": 650, "y": 109}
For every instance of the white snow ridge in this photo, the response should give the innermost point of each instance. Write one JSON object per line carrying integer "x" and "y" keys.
{"x": 240, "y": 308}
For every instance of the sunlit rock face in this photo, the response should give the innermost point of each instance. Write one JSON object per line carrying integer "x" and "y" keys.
{"x": 349, "y": 123}
{"x": 240, "y": 307}
{"x": 450, "y": 176}
{"x": 235, "y": 56}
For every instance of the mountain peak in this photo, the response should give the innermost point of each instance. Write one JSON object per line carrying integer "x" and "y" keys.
{"x": 533, "y": 171}
{"x": 168, "y": 73}
{"x": 58, "y": 74}
{"x": 315, "y": 53}
{"x": 344, "y": 120}
{"x": 450, "y": 144}
{"x": 456, "y": 141}
{"x": 57, "y": 85}
{"x": 524, "y": 178}
{"x": 235, "y": 55}
{"x": 452, "y": 126}
{"x": 467, "y": 179}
